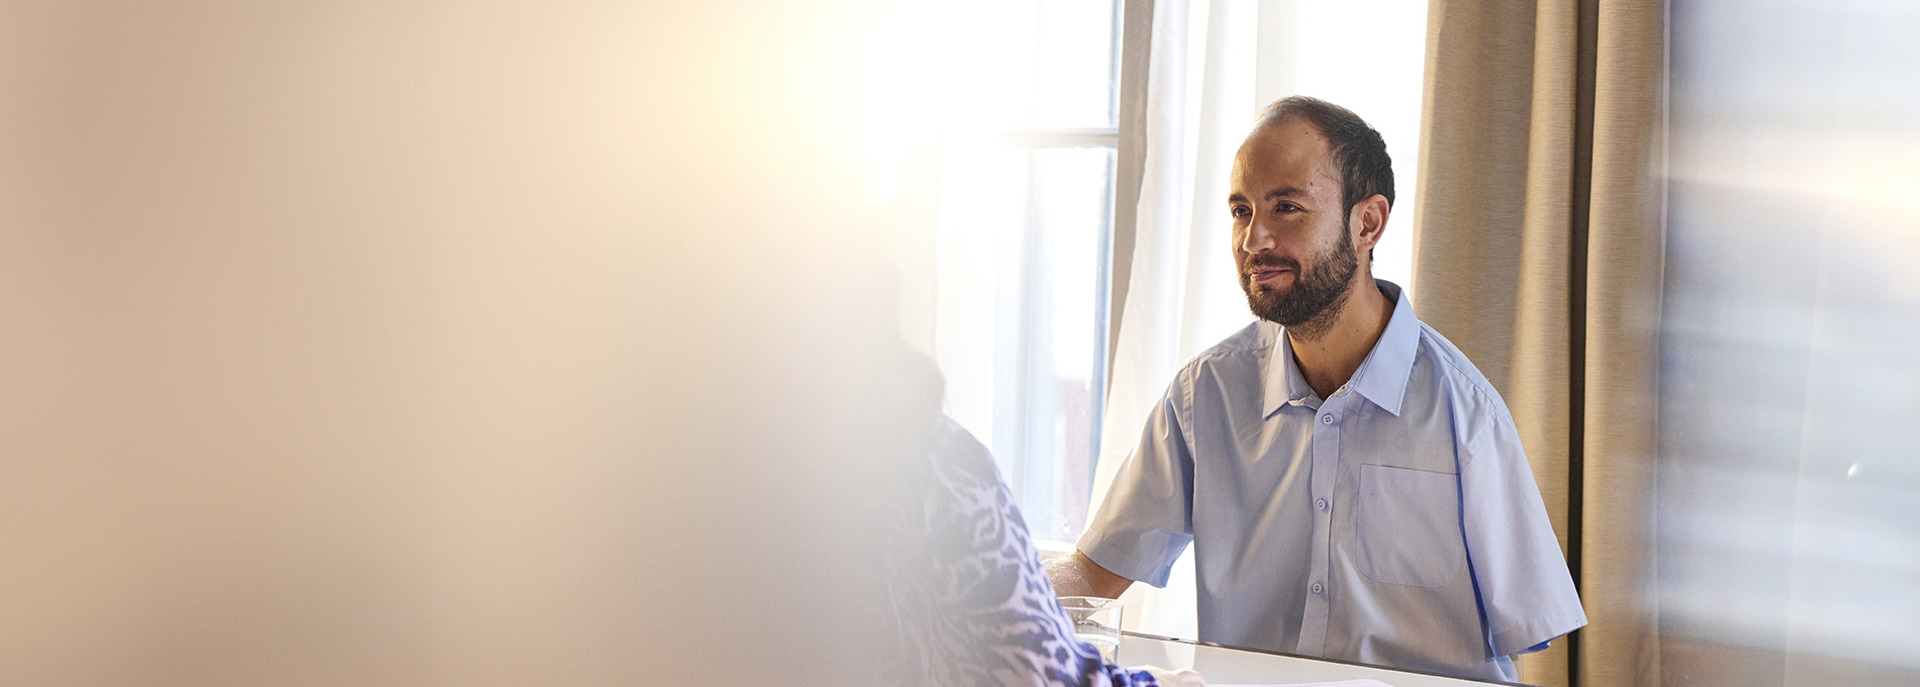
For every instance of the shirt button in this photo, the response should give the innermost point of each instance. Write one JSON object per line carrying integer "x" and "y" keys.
{"x": 1315, "y": 588}
{"x": 1326, "y": 419}
{"x": 1320, "y": 504}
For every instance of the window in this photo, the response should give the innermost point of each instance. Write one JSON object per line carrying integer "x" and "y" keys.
{"x": 1023, "y": 246}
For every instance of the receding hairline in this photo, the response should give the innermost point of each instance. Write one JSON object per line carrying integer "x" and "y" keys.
{"x": 1273, "y": 120}
{"x": 1330, "y": 159}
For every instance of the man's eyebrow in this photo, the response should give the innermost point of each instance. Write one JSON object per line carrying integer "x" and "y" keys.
{"x": 1276, "y": 193}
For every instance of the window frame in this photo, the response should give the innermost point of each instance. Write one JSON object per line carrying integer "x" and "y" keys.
{"x": 1132, "y": 46}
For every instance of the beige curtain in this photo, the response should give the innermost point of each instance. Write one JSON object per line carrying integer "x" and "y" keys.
{"x": 1539, "y": 253}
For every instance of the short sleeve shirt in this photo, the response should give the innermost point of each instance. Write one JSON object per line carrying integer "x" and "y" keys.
{"x": 1396, "y": 523}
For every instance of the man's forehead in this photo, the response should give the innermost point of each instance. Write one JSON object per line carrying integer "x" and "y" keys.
{"x": 1290, "y": 147}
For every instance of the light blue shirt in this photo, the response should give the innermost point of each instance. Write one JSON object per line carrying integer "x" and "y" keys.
{"x": 1396, "y": 523}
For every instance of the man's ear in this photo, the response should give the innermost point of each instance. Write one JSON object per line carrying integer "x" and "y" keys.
{"x": 1369, "y": 222}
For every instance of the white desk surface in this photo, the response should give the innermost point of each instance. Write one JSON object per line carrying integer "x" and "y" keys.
{"x": 1228, "y": 666}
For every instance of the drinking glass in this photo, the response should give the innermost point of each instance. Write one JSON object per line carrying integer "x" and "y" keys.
{"x": 1096, "y": 621}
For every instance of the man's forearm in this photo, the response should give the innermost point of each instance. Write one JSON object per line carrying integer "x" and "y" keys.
{"x": 1077, "y": 575}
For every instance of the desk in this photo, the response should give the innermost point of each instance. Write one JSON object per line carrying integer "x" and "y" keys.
{"x": 1229, "y": 666}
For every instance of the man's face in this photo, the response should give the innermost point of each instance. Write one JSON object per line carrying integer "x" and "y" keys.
{"x": 1291, "y": 243}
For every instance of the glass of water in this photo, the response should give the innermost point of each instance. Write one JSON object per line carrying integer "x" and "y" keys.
{"x": 1096, "y": 621}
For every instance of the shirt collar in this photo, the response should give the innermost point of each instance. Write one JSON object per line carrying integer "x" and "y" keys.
{"x": 1382, "y": 377}
{"x": 1284, "y": 383}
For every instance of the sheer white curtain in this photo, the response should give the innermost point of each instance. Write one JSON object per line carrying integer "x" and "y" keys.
{"x": 1214, "y": 64}
{"x": 1181, "y": 294}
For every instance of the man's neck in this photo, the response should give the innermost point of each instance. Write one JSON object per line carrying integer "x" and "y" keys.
{"x": 1334, "y": 353}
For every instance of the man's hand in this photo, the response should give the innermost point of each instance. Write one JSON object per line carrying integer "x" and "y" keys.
{"x": 1175, "y": 678}
{"x": 1077, "y": 575}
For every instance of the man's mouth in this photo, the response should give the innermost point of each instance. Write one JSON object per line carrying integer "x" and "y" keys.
{"x": 1265, "y": 274}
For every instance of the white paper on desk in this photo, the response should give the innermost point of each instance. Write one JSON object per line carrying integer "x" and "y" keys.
{"x": 1342, "y": 683}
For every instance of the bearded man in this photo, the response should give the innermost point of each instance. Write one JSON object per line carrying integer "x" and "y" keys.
{"x": 1352, "y": 486}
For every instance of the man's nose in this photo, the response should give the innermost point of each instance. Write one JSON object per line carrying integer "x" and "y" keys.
{"x": 1259, "y": 238}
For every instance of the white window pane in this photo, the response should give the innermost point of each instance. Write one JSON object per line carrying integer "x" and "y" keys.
{"x": 1003, "y": 64}
{"x": 1022, "y": 261}
{"x": 1073, "y": 63}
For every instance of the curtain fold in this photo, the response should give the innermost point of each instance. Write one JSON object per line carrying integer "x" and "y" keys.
{"x": 1626, "y": 245}
{"x": 1538, "y": 251}
{"x": 1181, "y": 296}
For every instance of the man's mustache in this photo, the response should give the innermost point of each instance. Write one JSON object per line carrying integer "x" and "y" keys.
{"x": 1266, "y": 260}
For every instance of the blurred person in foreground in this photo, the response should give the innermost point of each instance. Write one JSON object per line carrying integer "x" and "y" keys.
{"x": 1353, "y": 487}
{"x": 968, "y": 602}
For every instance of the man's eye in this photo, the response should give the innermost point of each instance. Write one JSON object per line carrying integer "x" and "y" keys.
{"x": 1240, "y": 212}
{"x": 1289, "y": 207}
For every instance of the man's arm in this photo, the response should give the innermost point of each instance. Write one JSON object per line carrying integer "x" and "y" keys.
{"x": 1077, "y": 575}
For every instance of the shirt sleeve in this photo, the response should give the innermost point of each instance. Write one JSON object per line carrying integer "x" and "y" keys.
{"x": 1526, "y": 593}
{"x": 1146, "y": 520}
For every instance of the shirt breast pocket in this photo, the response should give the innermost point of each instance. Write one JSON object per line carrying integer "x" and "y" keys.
{"x": 1409, "y": 529}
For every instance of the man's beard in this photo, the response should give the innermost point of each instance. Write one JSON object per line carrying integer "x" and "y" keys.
{"x": 1318, "y": 293}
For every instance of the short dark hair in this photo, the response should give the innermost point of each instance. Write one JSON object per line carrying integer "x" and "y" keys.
{"x": 1365, "y": 169}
